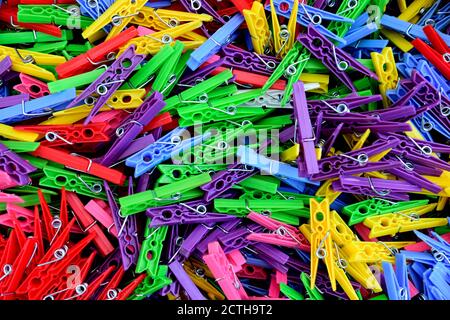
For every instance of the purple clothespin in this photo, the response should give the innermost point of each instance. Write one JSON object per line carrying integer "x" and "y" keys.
{"x": 224, "y": 180}
{"x": 237, "y": 238}
{"x": 114, "y": 259}
{"x": 408, "y": 174}
{"x": 132, "y": 126}
{"x": 332, "y": 139}
{"x": 5, "y": 66}
{"x": 357, "y": 161}
{"x": 273, "y": 256}
{"x": 16, "y": 167}
{"x": 335, "y": 59}
{"x": 194, "y": 77}
{"x": 127, "y": 231}
{"x": 237, "y": 58}
{"x": 342, "y": 105}
{"x": 192, "y": 212}
{"x": 220, "y": 230}
{"x": 307, "y": 162}
{"x": 197, "y": 6}
{"x": 137, "y": 145}
{"x": 14, "y": 100}
{"x": 109, "y": 81}
{"x": 399, "y": 113}
{"x": 192, "y": 240}
{"x": 380, "y": 188}
{"x": 183, "y": 278}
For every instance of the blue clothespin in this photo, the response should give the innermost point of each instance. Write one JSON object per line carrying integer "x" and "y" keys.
{"x": 435, "y": 124}
{"x": 372, "y": 44}
{"x": 37, "y": 107}
{"x": 158, "y": 4}
{"x": 307, "y": 14}
{"x": 95, "y": 9}
{"x": 276, "y": 168}
{"x": 416, "y": 278}
{"x": 435, "y": 284}
{"x": 409, "y": 29}
{"x": 252, "y": 260}
{"x": 396, "y": 287}
{"x": 439, "y": 245}
{"x": 422, "y": 257}
{"x": 433, "y": 77}
{"x": 220, "y": 38}
{"x": 359, "y": 22}
{"x": 358, "y": 34}
{"x": 442, "y": 19}
{"x": 427, "y": 16}
{"x": 163, "y": 149}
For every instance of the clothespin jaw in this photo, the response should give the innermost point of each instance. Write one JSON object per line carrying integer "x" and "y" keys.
{"x": 283, "y": 38}
{"x": 258, "y": 27}
{"x": 321, "y": 242}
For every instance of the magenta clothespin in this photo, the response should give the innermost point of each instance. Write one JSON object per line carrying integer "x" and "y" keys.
{"x": 143, "y": 31}
{"x": 225, "y": 272}
{"x": 307, "y": 163}
{"x": 113, "y": 118}
{"x": 6, "y": 181}
{"x": 274, "y": 288}
{"x": 334, "y": 58}
{"x": 283, "y": 234}
{"x": 102, "y": 213}
{"x": 34, "y": 87}
{"x": 10, "y": 198}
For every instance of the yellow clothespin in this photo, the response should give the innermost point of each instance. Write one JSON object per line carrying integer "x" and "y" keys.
{"x": 258, "y": 27}
{"x": 442, "y": 181}
{"x": 283, "y": 36}
{"x": 322, "y": 79}
{"x": 160, "y": 19}
{"x": 66, "y": 119}
{"x": 202, "y": 283}
{"x": 319, "y": 148}
{"x": 340, "y": 263}
{"x": 414, "y": 9}
{"x": 397, "y": 39}
{"x": 402, "y": 5}
{"x": 9, "y": 132}
{"x": 373, "y": 252}
{"x": 119, "y": 14}
{"x": 356, "y": 141}
{"x": 22, "y": 61}
{"x": 151, "y": 43}
{"x": 386, "y": 71}
{"x": 441, "y": 203}
{"x": 393, "y": 223}
{"x": 290, "y": 154}
{"x": 321, "y": 243}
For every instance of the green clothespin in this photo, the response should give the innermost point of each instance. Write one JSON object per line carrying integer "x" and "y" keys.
{"x": 199, "y": 92}
{"x": 166, "y": 75}
{"x": 290, "y": 293}
{"x": 40, "y": 163}
{"x": 29, "y": 200}
{"x": 294, "y": 72}
{"x": 261, "y": 183}
{"x": 169, "y": 193}
{"x": 75, "y": 81}
{"x": 77, "y": 49}
{"x": 151, "y": 284}
{"x": 75, "y": 182}
{"x": 442, "y": 230}
{"x": 380, "y": 297}
{"x": 179, "y": 70}
{"x": 313, "y": 294}
{"x": 240, "y": 208}
{"x": 224, "y": 91}
{"x": 145, "y": 74}
{"x": 348, "y": 9}
{"x": 274, "y": 122}
{"x": 172, "y": 172}
{"x": 49, "y": 47}
{"x": 61, "y": 15}
{"x": 151, "y": 248}
{"x": 315, "y": 66}
{"x": 20, "y": 146}
{"x": 358, "y": 212}
{"x": 285, "y": 218}
{"x": 18, "y": 37}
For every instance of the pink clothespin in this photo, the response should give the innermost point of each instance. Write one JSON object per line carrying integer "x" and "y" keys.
{"x": 10, "y": 198}
{"x": 364, "y": 232}
{"x": 283, "y": 235}
{"x": 224, "y": 270}
{"x": 35, "y": 88}
{"x": 100, "y": 210}
{"x": 143, "y": 31}
{"x": 252, "y": 272}
{"x": 277, "y": 278}
{"x": 6, "y": 181}
{"x": 24, "y": 217}
{"x": 422, "y": 246}
{"x": 113, "y": 119}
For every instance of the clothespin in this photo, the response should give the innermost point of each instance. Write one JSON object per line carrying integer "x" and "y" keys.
{"x": 440, "y": 61}
{"x": 283, "y": 38}
{"x": 396, "y": 284}
{"x": 11, "y": 133}
{"x": 352, "y": 10}
{"x": 17, "y": 168}
{"x": 386, "y": 70}
{"x": 31, "y": 86}
{"x": 224, "y": 270}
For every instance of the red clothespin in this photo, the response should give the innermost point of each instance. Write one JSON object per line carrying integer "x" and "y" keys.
{"x": 110, "y": 291}
{"x": 242, "y": 5}
{"x": 34, "y": 87}
{"x": 89, "y": 225}
{"x": 63, "y": 214}
{"x": 158, "y": 121}
{"x": 225, "y": 272}
{"x": 129, "y": 289}
{"x": 96, "y": 56}
{"x": 440, "y": 61}
{"x": 36, "y": 2}
{"x": 67, "y": 135}
{"x": 277, "y": 278}
{"x": 436, "y": 40}
{"x": 100, "y": 210}
{"x": 92, "y": 287}
{"x": 252, "y": 272}
{"x": 25, "y": 217}
{"x": 422, "y": 246}
{"x": 364, "y": 232}
{"x": 82, "y": 164}
{"x": 228, "y": 12}
{"x": 47, "y": 217}
{"x": 37, "y": 234}
{"x": 11, "y": 251}
{"x": 9, "y": 15}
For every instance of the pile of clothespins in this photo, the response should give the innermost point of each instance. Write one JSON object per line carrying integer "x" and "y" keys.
{"x": 232, "y": 149}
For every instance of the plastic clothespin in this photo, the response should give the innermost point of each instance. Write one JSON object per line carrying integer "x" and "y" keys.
{"x": 225, "y": 270}
{"x": 220, "y": 38}
{"x": 13, "y": 165}
{"x": 352, "y": 10}
{"x": 11, "y": 133}
{"x": 192, "y": 291}
{"x": 386, "y": 70}
{"x": 132, "y": 126}
{"x": 31, "y": 86}
{"x": 119, "y": 14}
{"x": 397, "y": 283}
{"x": 335, "y": 59}
{"x": 440, "y": 61}
{"x": 283, "y": 37}
{"x": 100, "y": 211}
{"x": 307, "y": 164}
{"x": 258, "y": 28}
